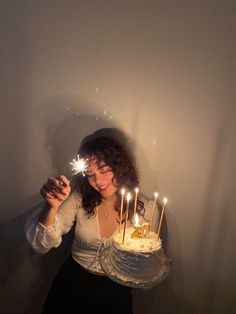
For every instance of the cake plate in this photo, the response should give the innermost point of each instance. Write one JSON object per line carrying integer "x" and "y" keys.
{"x": 127, "y": 279}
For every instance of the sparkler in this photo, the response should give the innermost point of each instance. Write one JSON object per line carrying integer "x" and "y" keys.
{"x": 79, "y": 165}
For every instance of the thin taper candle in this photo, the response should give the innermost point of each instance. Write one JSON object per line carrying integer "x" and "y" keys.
{"x": 121, "y": 207}
{"x": 135, "y": 201}
{"x": 126, "y": 216}
{"x": 162, "y": 214}
{"x": 153, "y": 209}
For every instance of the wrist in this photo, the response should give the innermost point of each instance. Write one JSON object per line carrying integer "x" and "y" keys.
{"x": 50, "y": 208}
{"x": 47, "y": 215}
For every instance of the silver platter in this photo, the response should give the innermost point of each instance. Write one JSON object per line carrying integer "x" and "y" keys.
{"x": 127, "y": 279}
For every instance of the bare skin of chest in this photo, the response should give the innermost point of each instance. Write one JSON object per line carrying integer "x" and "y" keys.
{"x": 108, "y": 221}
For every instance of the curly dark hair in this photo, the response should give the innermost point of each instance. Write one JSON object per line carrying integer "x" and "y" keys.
{"x": 109, "y": 150}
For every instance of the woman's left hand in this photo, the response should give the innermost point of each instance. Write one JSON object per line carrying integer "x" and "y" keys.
{"x": 167, "y": 261}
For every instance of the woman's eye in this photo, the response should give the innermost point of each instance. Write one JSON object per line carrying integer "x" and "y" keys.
{"x": 104, "y": 170}
{"x": 89, "y": 175}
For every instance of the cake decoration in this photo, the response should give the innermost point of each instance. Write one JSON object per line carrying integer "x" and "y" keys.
{"x": 135, "y": 255}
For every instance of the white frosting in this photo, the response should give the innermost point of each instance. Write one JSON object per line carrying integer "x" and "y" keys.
{"x": 150, "y": 243}
{"x": 138, "y": 257}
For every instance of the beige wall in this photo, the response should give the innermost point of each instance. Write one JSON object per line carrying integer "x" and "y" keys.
{"x": 162, "y": 72}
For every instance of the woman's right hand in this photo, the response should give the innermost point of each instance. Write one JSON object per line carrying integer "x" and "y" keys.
{"x": 55, "y": 191}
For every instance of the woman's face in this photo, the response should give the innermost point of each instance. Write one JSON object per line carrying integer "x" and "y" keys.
{"x": 100, "y": 177}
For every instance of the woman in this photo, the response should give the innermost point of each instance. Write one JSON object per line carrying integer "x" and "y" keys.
{"x": 81, "y": 285}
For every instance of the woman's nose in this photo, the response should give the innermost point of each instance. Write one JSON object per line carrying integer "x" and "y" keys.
{"x": 98, "y": 180}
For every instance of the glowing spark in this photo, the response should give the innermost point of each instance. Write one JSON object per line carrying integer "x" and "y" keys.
{"x": 79, "y": 165}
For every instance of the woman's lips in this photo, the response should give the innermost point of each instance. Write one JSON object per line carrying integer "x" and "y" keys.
{"x": 103, "y": 188}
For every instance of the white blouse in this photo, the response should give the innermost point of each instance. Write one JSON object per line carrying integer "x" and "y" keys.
{"x": 87, "y": 243}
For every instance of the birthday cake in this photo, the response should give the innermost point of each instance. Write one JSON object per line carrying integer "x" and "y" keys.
{"x": 136, "y": 257}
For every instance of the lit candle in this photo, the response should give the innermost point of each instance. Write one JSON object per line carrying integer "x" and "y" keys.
{"x": 153, "y": 208}
{"x": 137, "y": 228}
{"x": 135, "y": 201}
{"x": 162, "y": 214}
{"x": 126, "y": 216}
{"x": 121, "y": 206}
{"x": 140, "y": 231}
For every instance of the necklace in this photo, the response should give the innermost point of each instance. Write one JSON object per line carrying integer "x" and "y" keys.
{"x": 106, "y": 214}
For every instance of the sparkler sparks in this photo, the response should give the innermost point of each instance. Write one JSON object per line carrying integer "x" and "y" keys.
{"x": 79, "y": 165}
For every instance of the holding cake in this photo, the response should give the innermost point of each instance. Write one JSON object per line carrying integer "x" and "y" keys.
{"x": 139, "y": 257}
{"x": 134, "y": 257}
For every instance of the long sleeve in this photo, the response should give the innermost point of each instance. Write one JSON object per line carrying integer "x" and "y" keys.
{"x": 42, "y": 238}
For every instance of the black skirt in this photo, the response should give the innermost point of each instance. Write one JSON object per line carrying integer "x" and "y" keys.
{"x": 75, "y": 290}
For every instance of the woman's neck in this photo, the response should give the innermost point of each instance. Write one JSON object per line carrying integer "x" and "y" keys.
{"x": 110, "y": 201}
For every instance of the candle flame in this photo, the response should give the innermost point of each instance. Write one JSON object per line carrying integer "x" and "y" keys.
{"x": 128, "y": 197}
{"x": 79, "y": 165}
{"x": 155, "y": 194}
{"x": 165, "y": 200}
{"x": 123, "y": 191}
{"x": 136, "y": 190}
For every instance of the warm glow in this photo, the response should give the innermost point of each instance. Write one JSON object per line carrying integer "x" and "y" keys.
{"x": 128, "y": 197}
{"x": 156, "y": 195}
{"x": 79, "y": 165}
{"x": 123, "y": 191}
{"x": 165, "y": 200}
{"x": 136, "y": 190}
{"x": 136, "y": 220}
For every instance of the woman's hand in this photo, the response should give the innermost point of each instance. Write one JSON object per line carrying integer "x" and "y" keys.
{"x": 167, "y": 261}
{"x": 55, "y": 191}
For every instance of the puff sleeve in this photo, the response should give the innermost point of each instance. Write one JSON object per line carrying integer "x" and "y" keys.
{"x": 42, "y": 238}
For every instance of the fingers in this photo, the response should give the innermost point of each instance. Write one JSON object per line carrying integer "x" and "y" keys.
{"x": 46, "y": 194}
{"x": 54, "y": 194}
{"x": 53, "y": 183}
{"x": 63, "y": 180}
{"x": 58, "y": 183}
{"x": 58, "y": 188}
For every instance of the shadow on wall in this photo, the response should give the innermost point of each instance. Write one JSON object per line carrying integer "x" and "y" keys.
{"x": 64, "y": 141}
{"x": 19, "y": 264}
{"x": 217, "y": 259}
{"x": 160, "y": 299}
{"x": 64, "y": 131}
{"x": 15, "y": 250}
{"x": 12, "y": 236}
